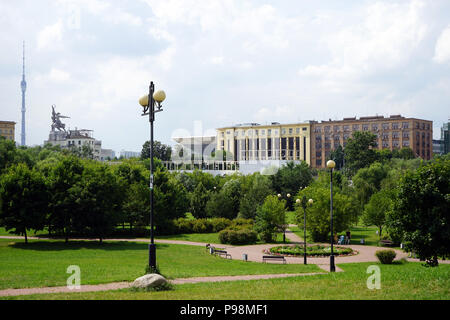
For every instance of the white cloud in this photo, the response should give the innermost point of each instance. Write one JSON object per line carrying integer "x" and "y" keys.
{"x": 50, "y": 36}
{"x": 442, "y": 49}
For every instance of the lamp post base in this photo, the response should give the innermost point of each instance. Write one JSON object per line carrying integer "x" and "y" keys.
{"x": 332, "y": 266}
{"x": 304, "y": 259}
{"x": 152, "y": 256}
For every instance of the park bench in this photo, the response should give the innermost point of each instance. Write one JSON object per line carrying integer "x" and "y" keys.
{"x": 387, "y": 243}
{"x": 222, "y": 252}
{"x": 274, "y": 258}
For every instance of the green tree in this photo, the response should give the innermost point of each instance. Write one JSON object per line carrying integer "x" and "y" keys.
{"x": 160, "y": 150}
{"x": 376, "y": 210}
{"x": 338, "y": 156}
{"x": 65, "y": 186}
{"x": 8, "y": 153}
{"x": 269, "y": 217}
{"x": 421, "y": 212}
{"x": 360, "y": 152}
{"x": 290, "y": 178}
{"x": 368, "y": 181}
{"x": 318, "y": 218}
{"x": 260, "y": 188}
{"x": 100, "y": 199}
{"x": 23, "y": 200}
{"x": 199, "y": 199}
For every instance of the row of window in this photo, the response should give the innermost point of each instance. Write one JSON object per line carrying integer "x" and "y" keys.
{"x": 365, "y": 127}
{"x": 262, "y": 132}
{"x": 6, "y": 131}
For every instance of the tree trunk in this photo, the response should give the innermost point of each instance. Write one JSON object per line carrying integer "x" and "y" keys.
{"x": 380, "y": 231}
{"x": 25, "y": 233}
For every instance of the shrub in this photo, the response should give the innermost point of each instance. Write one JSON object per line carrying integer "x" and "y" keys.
{"x": 243, "y": 236}
{"x": 386, "y": 256}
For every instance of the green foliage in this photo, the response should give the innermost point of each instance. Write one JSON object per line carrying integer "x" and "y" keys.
{"x": 23, "y": 199}
{"x": 318, "y": 218}
{"x": 259, "y": 189}
{"x": 270, "y": 217}
{"x": 367, "y": 181}
{"x": 311, "y": 251}
{"x": 199, "y": 199}
{"x": 225, "y": 203}
{"x": 160, "y": 151}
{"x": 420, "y": 214}
{"x": 376, "y": 210}
{"x": 236, "y": 237}
{"x": 290, "y": 178}
{"x": 386, "y": 256}
{"x": 338, "y": 156}
{"x": 360, "y": 152}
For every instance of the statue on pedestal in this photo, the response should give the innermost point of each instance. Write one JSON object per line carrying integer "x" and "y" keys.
{"x": 56, "y": 120}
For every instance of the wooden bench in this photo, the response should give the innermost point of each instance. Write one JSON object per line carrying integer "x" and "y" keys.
{"x": 387, "y": 243}
{"x": 222, "y": 252}
{"x": 275, "y": 258}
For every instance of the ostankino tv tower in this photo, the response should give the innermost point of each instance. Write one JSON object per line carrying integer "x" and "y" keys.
{"x": 23, "y": 85}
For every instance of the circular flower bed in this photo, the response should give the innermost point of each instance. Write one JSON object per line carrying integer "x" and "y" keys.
{"x": 311, "y": 251}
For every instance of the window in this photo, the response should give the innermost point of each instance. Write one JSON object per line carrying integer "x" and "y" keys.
{"x": 269, "y": 132}
{"x": 304, "y": 129}
{"x": 327, "y": 128}
{"x": 291, "y": 130}
{"x": 263, "y": 132}
{"x": 336, "y": 128}
{"x": 317, "y": 129}
{"x": 228, "y": 132}
{"x": 365, "y": 127}
{"x": 374, "y": 126}
{"x": 406, "y": 134}
{"x": 405, "y": 125}
{"x": 395, "y": 135}
{"x": 346, "y": 128}
{"x": 406, "y": 143}
{"x": 385, "y": 126}
{"x": 355, "y": 127}
{"x": 297, "y": 130}
{"x": 283, "y": 131}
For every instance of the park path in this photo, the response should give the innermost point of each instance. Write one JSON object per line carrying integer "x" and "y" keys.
{"x": 125, "y": 285}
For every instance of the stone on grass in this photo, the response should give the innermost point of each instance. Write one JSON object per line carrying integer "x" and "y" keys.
{"x": 149, "y": 281}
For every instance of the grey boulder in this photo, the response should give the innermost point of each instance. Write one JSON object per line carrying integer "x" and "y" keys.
{"x": 149, "y": 281}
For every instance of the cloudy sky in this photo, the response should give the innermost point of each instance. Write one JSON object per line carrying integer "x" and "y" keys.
{"x": 221, "y": 63}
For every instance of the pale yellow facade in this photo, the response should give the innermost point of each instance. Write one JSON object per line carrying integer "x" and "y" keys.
{"x": 255, "y": 142}
{"x": 7, "y": 129}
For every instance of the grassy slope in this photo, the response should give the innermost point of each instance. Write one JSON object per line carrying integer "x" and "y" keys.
{"x": 44, "y": 263}
{"x": 398, "y": 281}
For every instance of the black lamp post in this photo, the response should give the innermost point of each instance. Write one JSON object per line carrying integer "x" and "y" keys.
{"x": 284, "y": 226}
{"x": 148, "y": 102}
{"x": 331, "y": 164}
{"x": 303, "y": 203}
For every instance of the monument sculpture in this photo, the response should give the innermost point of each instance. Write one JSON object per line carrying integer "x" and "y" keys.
{"x": 56, "y": 120}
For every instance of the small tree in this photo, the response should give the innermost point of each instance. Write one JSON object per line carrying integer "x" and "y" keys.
{"x": 359, "y": 151}
{"x": 199, "y": 199}
{"x": 376, "y": 210}
{"x": 23, "y": 200}
{"x": 259, "y": 190}
{"x": 421, "y": 212}
{"x": 269, "y": 217}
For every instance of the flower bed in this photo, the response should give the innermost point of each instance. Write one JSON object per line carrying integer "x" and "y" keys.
{"x": 311, "y": 251}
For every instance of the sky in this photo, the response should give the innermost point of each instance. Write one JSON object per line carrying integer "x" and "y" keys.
{"x": 220, "y": 63}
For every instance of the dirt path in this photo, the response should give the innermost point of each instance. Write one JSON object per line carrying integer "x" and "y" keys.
{"x": 125, "y": 285}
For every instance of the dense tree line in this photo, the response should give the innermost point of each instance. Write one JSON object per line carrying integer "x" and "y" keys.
{"x": 70, "y": 195}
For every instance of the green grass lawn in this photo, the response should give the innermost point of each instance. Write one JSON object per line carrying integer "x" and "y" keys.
{"x": 43, "y": 263}
{"x": 408, "y": 281}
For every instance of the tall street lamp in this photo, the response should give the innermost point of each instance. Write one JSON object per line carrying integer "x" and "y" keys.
{"x": 303, "y": 203}
{"x": 331, "y": 164}
{"x": 284, "y": 226}
{"x": 148, "y": 103}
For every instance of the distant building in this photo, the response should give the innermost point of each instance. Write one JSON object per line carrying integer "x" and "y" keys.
{"x": 129, "y": 154}
{"x": 445, "y": 136}
{"x": 75, "y": 139}
{"x": 438, "y": 147}
{"x": 7, "y": 130}
{"x": 107, "y": 154}
{"x": 394, "y": 132}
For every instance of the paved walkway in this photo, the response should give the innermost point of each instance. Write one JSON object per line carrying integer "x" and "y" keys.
{"x": 125, "y": 285}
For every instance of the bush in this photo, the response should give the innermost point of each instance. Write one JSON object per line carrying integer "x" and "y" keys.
{"x": 184, "y": 225}
{"x": 386, "y": 256}
{"x": 243, "y": 236}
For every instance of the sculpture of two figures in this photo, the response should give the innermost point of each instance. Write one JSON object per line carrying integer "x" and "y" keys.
{"x": 56, "y": 120}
